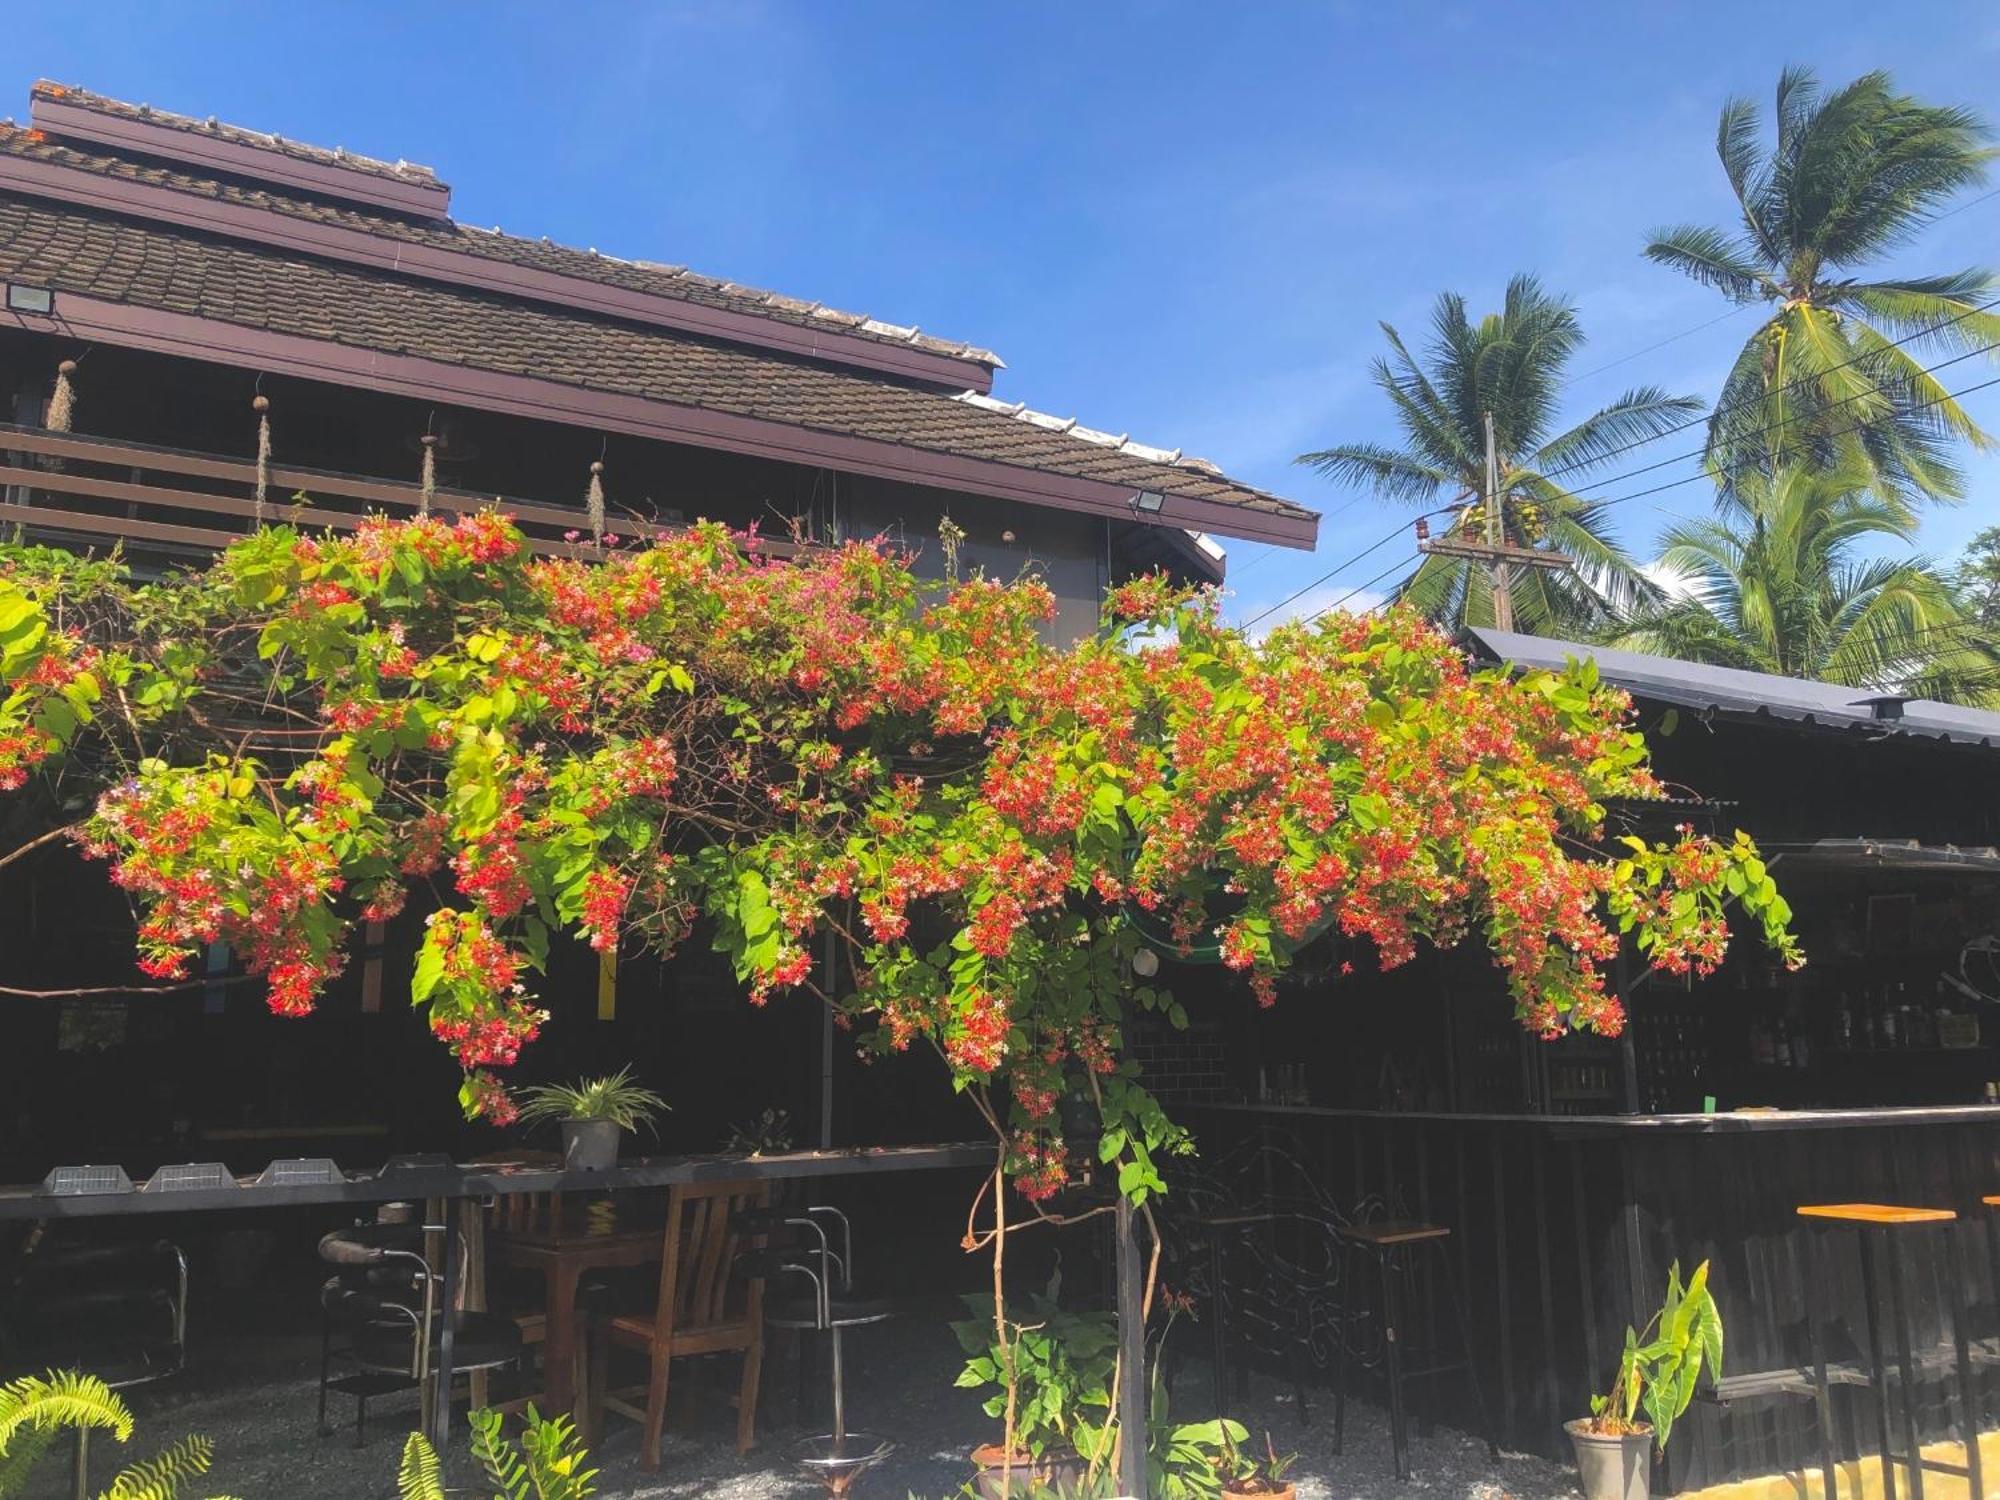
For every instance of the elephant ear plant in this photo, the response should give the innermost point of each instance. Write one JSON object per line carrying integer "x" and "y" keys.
{"x": 1659, "y": 1369}
{"x": 1657, "y": 1375}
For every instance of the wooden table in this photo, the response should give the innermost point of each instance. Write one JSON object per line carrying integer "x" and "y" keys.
{"x": 563, "y": 1253}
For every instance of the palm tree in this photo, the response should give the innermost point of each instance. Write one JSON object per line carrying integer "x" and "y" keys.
{"x": 1510, "y": 364}
{"x": 1838, "y": 366}
{"x": 1788, "y": 580}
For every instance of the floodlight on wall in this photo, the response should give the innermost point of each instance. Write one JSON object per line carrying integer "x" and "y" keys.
{"x": 30, "y": 299}
{"x": 1149, "y": 502}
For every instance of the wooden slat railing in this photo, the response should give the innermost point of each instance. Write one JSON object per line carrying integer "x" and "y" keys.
{"x": 159, "y": 512}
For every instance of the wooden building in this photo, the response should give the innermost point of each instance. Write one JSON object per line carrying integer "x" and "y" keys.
{"x": 201, "y": 324}
{"x": 1573, "y": 1173}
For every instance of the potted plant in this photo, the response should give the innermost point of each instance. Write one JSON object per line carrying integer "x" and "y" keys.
{"x": 1244, "y": 1474}
{"x": 592, "y": 1112}
{"x": 1056, "y": 1362}
{"x": 1657, "y": 1373}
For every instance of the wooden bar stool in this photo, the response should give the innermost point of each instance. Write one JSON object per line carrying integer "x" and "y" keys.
{"x": 1221, "y": 1230}
{"x": 1885, "y": 1227}
{"x": 1393, "y": 1247}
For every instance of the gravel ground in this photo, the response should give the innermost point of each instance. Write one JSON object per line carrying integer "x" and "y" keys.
{"x": 254, "y": 1396}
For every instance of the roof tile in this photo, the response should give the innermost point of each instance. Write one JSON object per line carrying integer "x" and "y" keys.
{"x": 90, "y": 253}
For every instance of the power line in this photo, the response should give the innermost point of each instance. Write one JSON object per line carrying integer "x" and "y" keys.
{"x": 1371, "y": 548}
{"x": 1783, "y": 422}
{"x": 1602, "y": 502}
{"x": 1797, "y": 383}
{"x": 1942, "y": 364}
{"x": 1685, "y": 333}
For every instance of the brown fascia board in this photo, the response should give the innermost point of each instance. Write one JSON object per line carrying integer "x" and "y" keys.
{"x": 212, "y": 154}
{"x": 46, "y": 179}
{"x": 181, "y": 334}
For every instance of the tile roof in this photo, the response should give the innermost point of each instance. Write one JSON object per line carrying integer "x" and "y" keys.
{"x": 214, "y": 129}
{"x": 86, "y": 252}
{"x": 493, "y": 244}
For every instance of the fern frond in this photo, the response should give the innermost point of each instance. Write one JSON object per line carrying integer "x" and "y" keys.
{"x": 161, "y": 1477}
{"x": 420, "y": 1477}
{"x": 61, "y": 1398}
{"x": 20, "y": 1459}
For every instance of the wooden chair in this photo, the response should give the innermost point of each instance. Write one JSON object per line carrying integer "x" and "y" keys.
{"x": 704, "y": 1307}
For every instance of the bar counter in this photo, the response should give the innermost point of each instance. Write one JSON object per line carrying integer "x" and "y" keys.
{"x": 1565, "y": 1226}
{"x": 486, "y": 1179}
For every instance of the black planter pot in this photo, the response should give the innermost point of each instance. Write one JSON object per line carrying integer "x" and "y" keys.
{"x": 589, "y": 1145}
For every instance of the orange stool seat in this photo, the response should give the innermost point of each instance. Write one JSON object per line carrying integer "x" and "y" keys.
{"x": 1875, "y": 1215}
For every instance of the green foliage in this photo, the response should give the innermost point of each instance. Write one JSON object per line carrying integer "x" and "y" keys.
{"x": 35, "y": 1408}
{"x": 616, "y": 1098}
{"x": 1247, "y": 1474}
{"x": 548, "y": 1463}
{"x": 1836, "y": 372}
{"x": 769, "y": 1134}
{"x": 1057, "y": 1362}
{"x": 1661, "y": 1367}
{"x": 830, "y": 752}
{"x": 1790, "y": 579}
{"x": 161, "y": 1477}
{"x": 419, "y": 1476}
{"x": 1512, "y": 364}
{"x": 1184, "y": 1460}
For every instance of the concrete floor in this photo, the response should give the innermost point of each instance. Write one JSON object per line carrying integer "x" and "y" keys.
{"x": 254, "y": 1396}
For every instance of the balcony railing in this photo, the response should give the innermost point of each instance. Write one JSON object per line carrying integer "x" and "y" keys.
{"x": 169, "y": 499}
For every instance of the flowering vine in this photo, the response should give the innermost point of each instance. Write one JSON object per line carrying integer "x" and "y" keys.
{"x": 989, "y": 826}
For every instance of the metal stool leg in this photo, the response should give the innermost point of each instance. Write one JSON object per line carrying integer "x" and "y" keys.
{"x": 325, "y": 1368}
{"x": 1343, "y": 1334}
{"x": 1822, "y": 1396}
{"x": 1218, "y": 1337}
{"x": 1968, "y": 1402}
{"x": 1878, "y": 1372}
{"x": 1392, "y": 1335}
{"x": 1899, "y": 1299}
{"x": 839, "y": 1393}
{"x": 1456, "y": 1295}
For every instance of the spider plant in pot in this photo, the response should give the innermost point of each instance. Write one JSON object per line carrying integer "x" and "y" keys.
{"x": 592, "y": 1113}
{"x": 1657, "y": 1373}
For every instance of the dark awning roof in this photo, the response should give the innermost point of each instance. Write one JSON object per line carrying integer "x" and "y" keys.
{"x": 1755, "y": 695}
{"x": 1901, "y": 855}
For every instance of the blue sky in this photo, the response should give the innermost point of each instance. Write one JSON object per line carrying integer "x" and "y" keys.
{"x": 1177, "y": 220}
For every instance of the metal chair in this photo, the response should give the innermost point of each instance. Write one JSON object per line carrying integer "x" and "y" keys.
{"x": 384, "y": 1292}
{"x": 118, "y": 1312}
{"x": 801, "y": 1248}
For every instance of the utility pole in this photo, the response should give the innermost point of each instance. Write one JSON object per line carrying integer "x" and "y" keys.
{"x": 1496, "y": 554}
{"x": 1503, "y": 576}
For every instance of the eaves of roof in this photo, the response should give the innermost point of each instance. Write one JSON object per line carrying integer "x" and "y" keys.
{"x": 1749, "y": 695}
{"x": 149, "y": 286}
